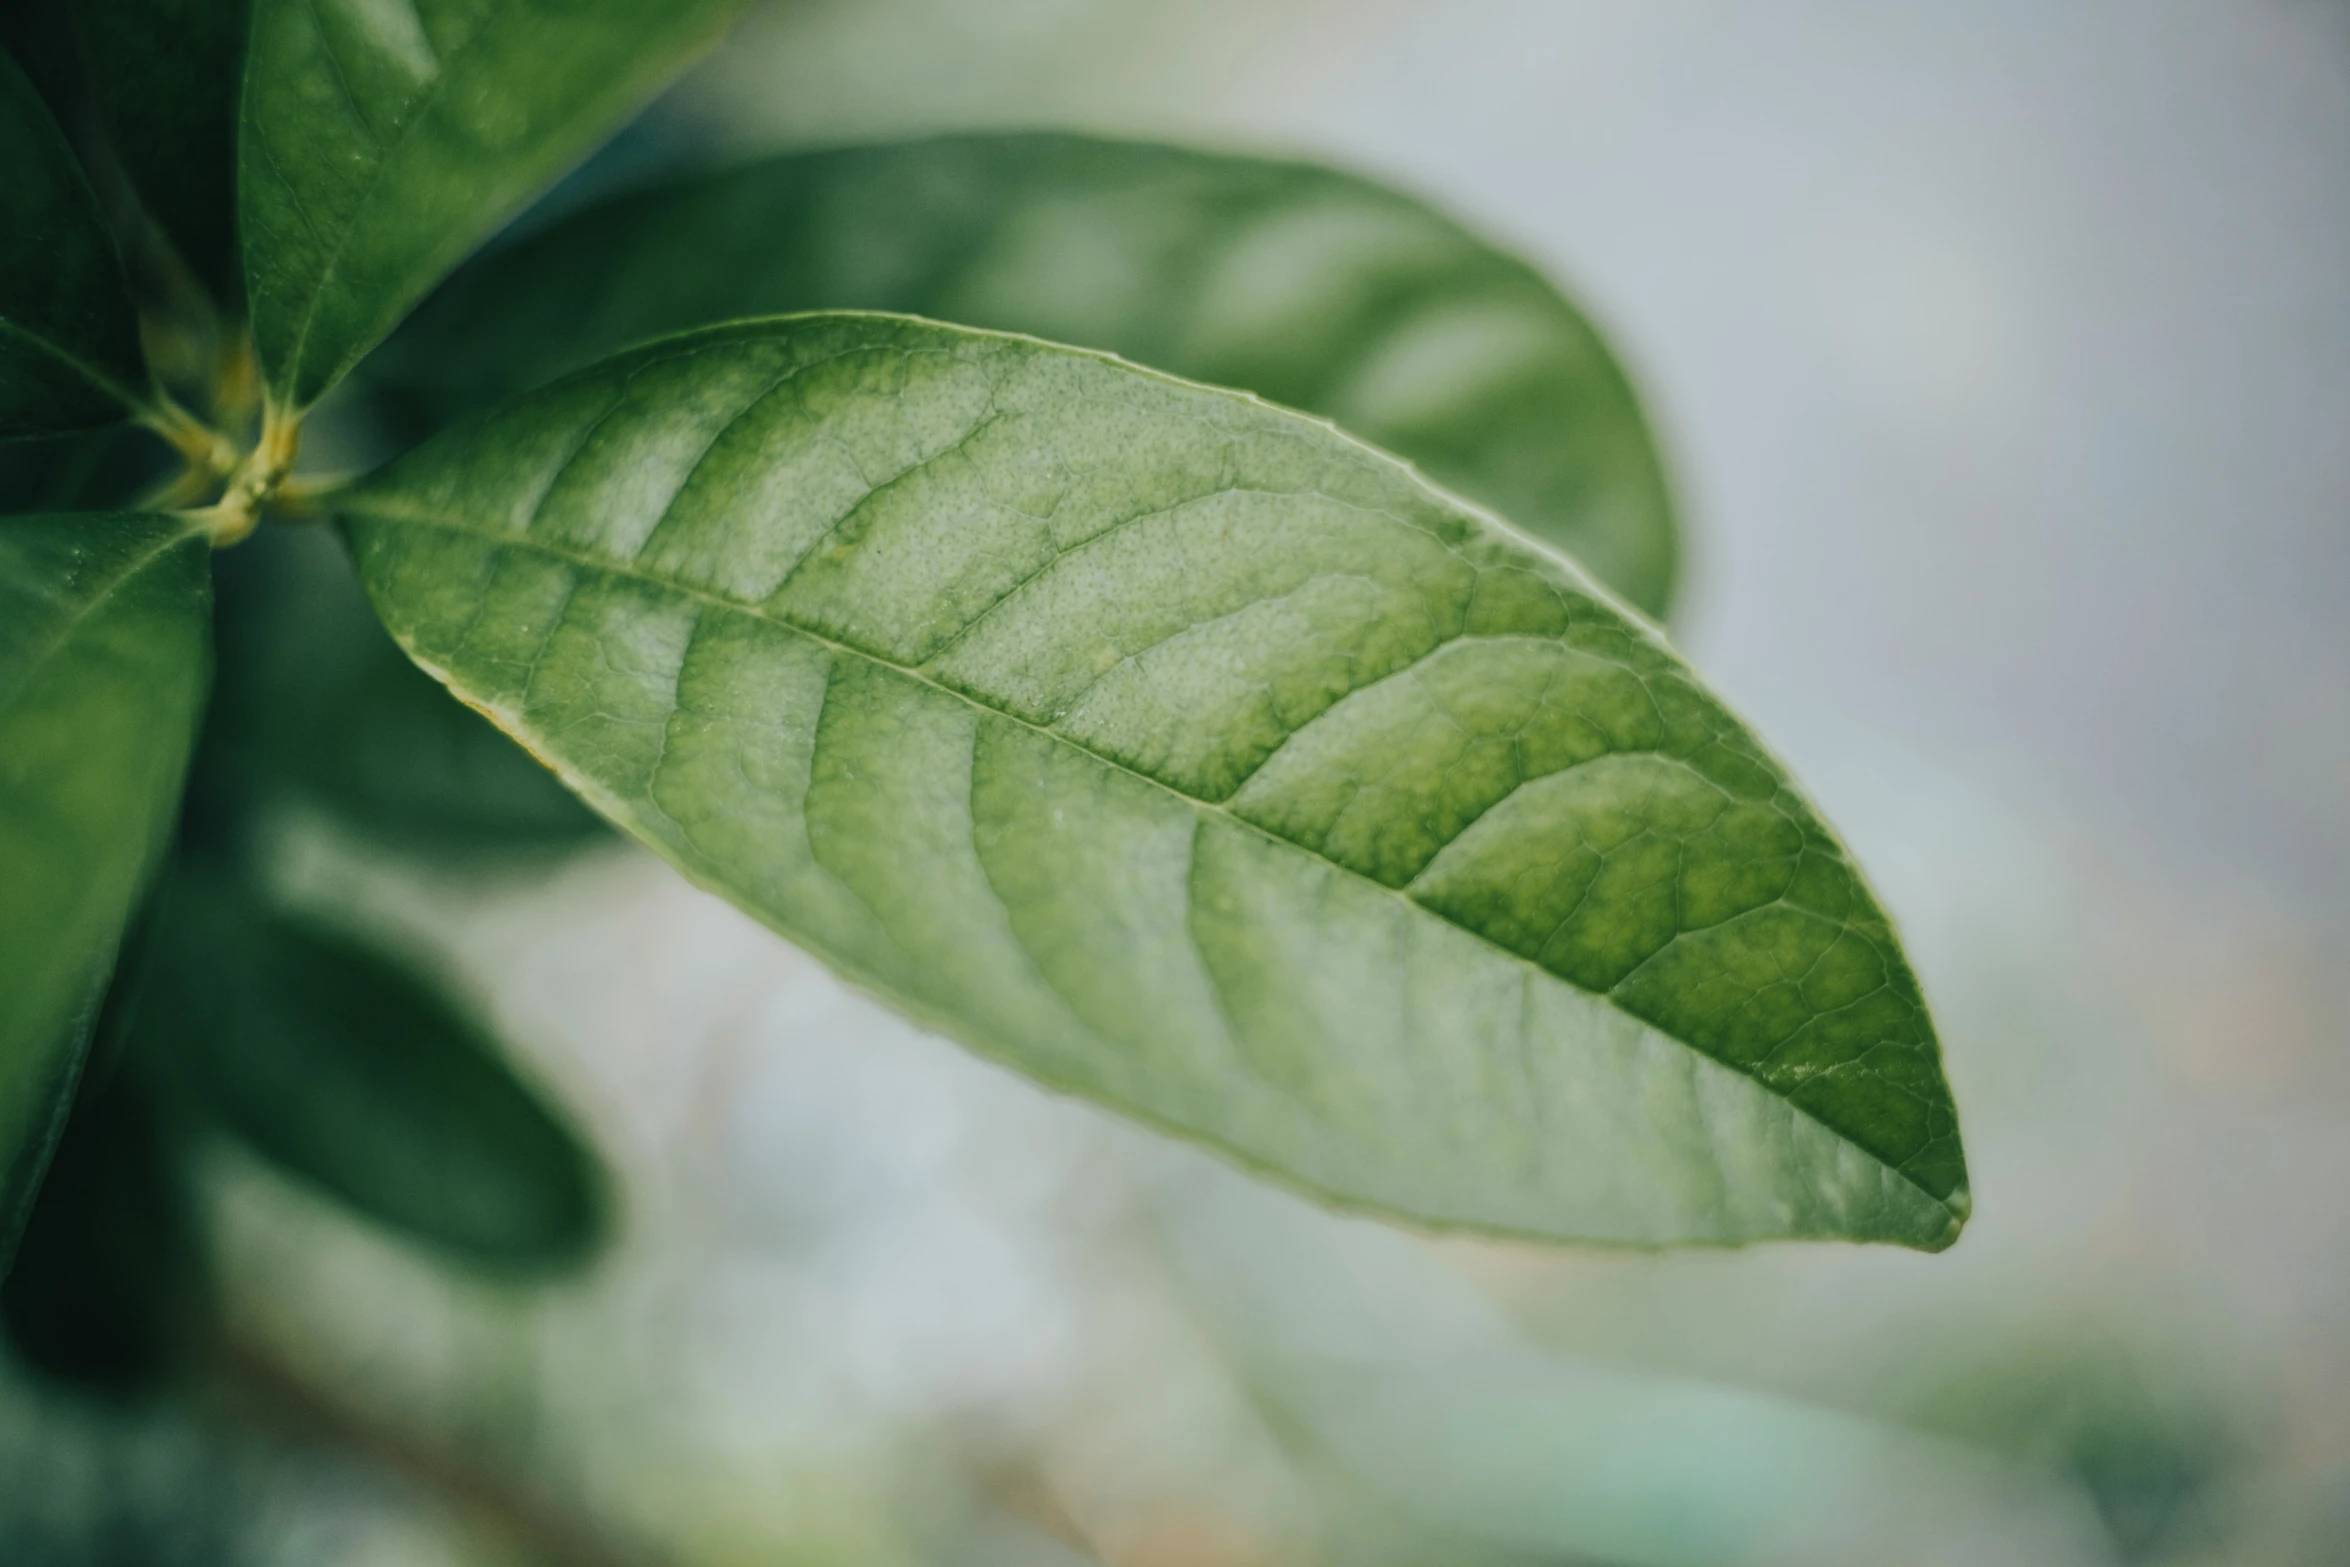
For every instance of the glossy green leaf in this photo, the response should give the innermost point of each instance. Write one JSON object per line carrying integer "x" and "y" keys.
{"x": 69, "y": 337}
{"x": 110, "y": 1289}
{"x": 1188, "y": 755}
{"x": 358, "y": 1075}
{"x": 314, "y": 701}
{"x": 165, "y": 76}
{"x": 1309, "y": 287}
{"x": 103, "y": 663}
{"x": 383, "y": 139}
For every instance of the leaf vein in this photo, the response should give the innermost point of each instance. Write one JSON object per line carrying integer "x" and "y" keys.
{"x": 584, "y": 561}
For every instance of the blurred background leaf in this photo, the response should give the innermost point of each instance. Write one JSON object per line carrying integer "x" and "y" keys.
{"x": 110, "y": 1290}
{"x": 2156, "y": 1448}
{"x": 1313, "y": 288}
{"x": 92, "y": 471}
{"x": 314, "y": 701}
{"x": 70, "y": 357}
{"x": 349, "y": 1069}
{"x": 1393, "y": 1366}
{"x": 165, "y": 75}
{"x": 38, "y": 35}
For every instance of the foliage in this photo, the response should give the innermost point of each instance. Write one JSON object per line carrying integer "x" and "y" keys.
{"x": 1307, "y": 286}
{"x": 1176, "y": 748}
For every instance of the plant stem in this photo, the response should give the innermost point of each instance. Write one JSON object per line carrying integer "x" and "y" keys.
{"x": 236, "y": 382}
{"x": 204, "y": 449}
{"x": 297, "y": 500}
{"x": 256, "y": 480}
{"x": 184, "y": 488}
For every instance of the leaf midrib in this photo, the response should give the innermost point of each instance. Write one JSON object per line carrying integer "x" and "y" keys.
{"x": 385, "y": 151}
{"x": 632, "y": 572}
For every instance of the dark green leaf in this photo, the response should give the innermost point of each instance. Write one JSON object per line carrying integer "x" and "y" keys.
{"x": 104, "y": 658}
{"x": 354, "y": 1073}
{"x": 1186, "y": 754}
{"x": 313, "y": 699}
{"x": 69, "y": 338}
{"x": 94, "y": 470}
{"x": 39, "y": 33}
{"x": 165, "y": 75}
{"x": 126, "y": 992}
{"x": 110, "y": 1290}
{"x": 383, "y": 139}
{"x": 1306, "y": 286}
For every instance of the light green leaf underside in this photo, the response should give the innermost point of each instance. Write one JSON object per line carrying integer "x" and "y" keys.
{"x": 1185, "y": 754}
{"x": 103, "y": 665}
{"x": 69, "y": 338}
{"x": 383, "y": 139}
{"x": 1307, "y": 286}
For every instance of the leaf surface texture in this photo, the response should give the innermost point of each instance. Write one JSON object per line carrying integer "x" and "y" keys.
{"x": 104, "y": 658}
{"x": 381, "y": 140}
{"x": 1191, "y": 756}
{"x": 1310, "y": 287}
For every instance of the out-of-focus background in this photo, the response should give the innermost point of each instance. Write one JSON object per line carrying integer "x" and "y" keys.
{"x": 2002, "y": 355}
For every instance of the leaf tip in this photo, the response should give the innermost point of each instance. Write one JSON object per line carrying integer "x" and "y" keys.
{"x": 1960, "y": 1205}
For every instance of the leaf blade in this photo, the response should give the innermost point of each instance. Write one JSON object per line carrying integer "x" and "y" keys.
{"x": 69, "y": 338}
{"x": 166, "y": 75}
{"x": 96, "y": 470}
{"x": 1310, "y": 287}
{"x": 112, "y": 1290}
{"x": 104, "y": 662}
{"x": 379, "y": 144}
{"x": 359, "y": 1075}
{"x": 972, "y": 663}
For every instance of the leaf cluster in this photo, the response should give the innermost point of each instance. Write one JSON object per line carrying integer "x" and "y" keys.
{"x": 979, "y": 558}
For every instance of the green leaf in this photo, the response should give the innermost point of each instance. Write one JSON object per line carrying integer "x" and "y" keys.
{"x": 383, "y": 139}
{"x": 1386, "y": 1369}
{"x": 39, "y": 34}
{"x": 165, "y": 75}
{"x": 1185, "y": 754}
{"x": 1312, "y": 288}
{"x": 353, "y": 1072}
{"x": 69, "y": 337}
{"x": 93, "y": 470}
{"x": 104, "y": 658}
{"x": 110, "y": 1289}
{"x": 313, "y": 700}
